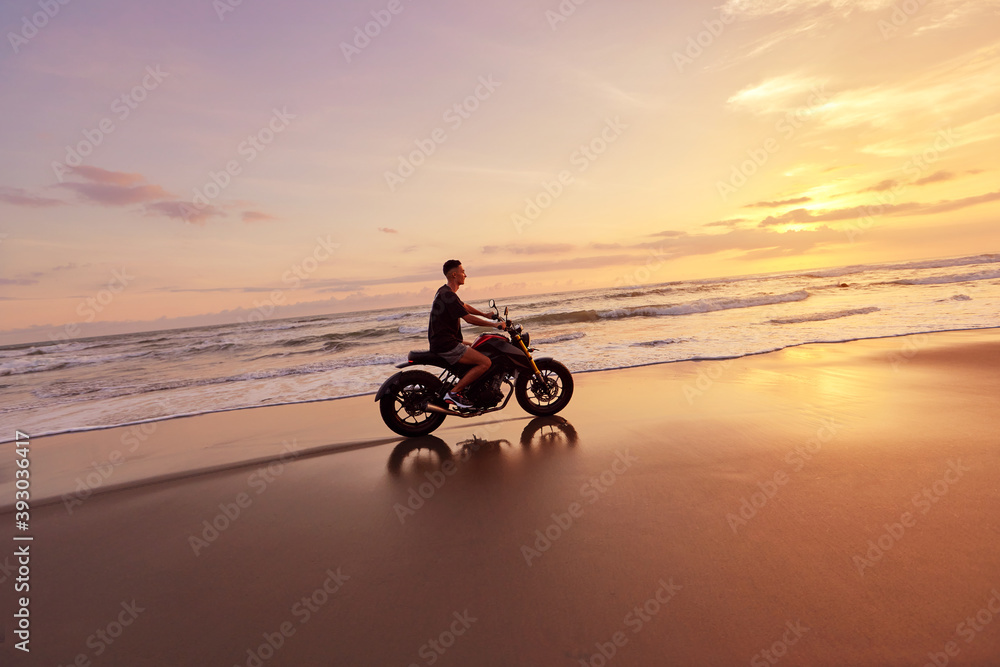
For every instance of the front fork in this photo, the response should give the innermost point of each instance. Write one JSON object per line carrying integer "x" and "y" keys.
{"x": 524, "y": 347}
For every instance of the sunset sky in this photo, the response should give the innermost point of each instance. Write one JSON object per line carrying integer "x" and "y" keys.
{"x": 185, "y": 163}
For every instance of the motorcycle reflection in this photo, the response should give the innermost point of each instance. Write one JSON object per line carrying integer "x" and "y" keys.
{"x": 542, "y": 432}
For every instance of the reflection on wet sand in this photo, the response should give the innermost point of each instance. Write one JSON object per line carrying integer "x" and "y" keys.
{"x": 429, "y": 452}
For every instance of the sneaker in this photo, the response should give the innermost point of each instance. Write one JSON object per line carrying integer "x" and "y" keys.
{"x": 458, "y": 400}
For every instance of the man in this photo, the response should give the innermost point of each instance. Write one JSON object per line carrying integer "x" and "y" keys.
{"x": 444, "y": 331}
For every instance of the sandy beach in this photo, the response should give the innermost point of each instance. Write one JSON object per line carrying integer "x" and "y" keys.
{"x": 828, "y": 504}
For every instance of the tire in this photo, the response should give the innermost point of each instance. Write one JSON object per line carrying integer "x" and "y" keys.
{"x": 549, "y": 398}
{"x": 401, "y": 407}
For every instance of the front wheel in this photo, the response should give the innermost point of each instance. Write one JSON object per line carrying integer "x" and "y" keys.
{"x": 548, "y": 394}
{"x": 403, "y": 407}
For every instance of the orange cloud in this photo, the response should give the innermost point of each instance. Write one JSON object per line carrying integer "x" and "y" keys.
{"x": 117, "y": 195}
{"x": 778, "y": 203}
{"x": 98, "y": 175}
{"x": 256, "y": 216}
{"x": 21, "y": 197}
{"x": 182, "y": 210}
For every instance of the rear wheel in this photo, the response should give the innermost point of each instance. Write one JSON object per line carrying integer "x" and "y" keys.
{"x": 548, "y": 394}
{"x": 403, "y": 408}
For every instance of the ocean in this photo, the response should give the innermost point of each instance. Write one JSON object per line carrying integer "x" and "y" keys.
{"x": 77, "y": 385}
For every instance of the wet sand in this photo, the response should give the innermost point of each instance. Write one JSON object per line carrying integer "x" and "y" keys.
{"x": 830, "y": 504}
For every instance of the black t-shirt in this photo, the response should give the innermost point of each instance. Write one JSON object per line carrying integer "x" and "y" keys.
{"x": 444, "y": 331}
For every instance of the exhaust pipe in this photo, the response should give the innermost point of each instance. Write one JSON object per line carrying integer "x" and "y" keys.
{"x": 455, "y": 413}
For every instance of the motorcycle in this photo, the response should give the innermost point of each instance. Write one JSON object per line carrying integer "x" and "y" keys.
{"x": 411, "y": 402}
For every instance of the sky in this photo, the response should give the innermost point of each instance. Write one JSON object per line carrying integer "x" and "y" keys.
{"x": 217, "y": 161}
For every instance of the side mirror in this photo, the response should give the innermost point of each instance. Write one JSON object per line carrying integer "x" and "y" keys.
{"x": 505, "y": 312}
{"x": 493, "y": 304}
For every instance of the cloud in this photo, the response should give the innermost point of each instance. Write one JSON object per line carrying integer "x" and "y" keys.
{"x": 256, "y": 216}
{"x": 182, "y": 210}
{"x": 388, "y": 230}
{"x": 777, "y": 203}
{"x": 65, "y": 267}
{"x": 482, "y": 271}
{"x": 731, "y": 222}
{"x": 758, "y": 8}
{"x": 951, "y": 14}
{"x": 748, "y": 241}
{"x": 808, "y": 216}
{"x": 812, "y": 216}
{"x": 18, "y": 281}
{"x": 528, "y": 249}
{"x": 777, "y": 94}
{"x": 882, "y": 186}
{"x": 936, "y": 177}
{"x": 21, "y": 197}
{"x": 113, "y": 188}
{"x": 769, "y": 41}
{"x": 109, "y": 194}
{"x": 956, "y": 204}
{"x": 952, "y": 89}
{"x": 670, "y": 233}
{"x": 104, "y": 187}
{"x": 98, "y": 175}
{"x": 891, "y": 183}
{"x": 173, "y": 289}
{"x": 769, "y": 253}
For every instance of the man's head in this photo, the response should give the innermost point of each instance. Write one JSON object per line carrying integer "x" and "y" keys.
{"x": 454, "y": 272}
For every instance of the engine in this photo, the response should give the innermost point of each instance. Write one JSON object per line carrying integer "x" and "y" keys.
{"x": 487, "y": 391}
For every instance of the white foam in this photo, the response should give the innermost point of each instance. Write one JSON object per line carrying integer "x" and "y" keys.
{"x": 941, "y": 280}
{"x": 833, "y": 315}
{"x": 706, "y": 305}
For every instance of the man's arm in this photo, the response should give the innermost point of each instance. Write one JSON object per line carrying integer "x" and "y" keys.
{"x": 472, "y": 310}
{"x": 480, "y": 322}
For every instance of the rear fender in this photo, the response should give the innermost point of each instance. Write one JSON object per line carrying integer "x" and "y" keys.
{"x": 402, "y": 378}
{"x": 388, "y": 386}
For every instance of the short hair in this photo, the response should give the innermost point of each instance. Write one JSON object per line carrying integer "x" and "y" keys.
{"x": 449, "y": 265}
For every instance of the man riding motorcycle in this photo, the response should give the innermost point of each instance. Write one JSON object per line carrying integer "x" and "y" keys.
{"x": 444, "y": 331}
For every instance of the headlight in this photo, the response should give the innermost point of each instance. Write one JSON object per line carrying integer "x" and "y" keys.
{"x": 527, "y": 339}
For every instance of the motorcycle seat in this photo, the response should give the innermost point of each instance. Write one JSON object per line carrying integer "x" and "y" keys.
{"x": 425, "y": 357}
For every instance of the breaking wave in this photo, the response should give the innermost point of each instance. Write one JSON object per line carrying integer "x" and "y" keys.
{"x": 690, "y": 308}
{"x": 832, "y": 315}
{"x": 941, "y": 280}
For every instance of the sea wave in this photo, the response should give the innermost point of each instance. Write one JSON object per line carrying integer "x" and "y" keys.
{"x": 32, "y": 363}
{"x": 705, "y": 305}
{"x": 560, "y": 338}
{"x": 341, "y": 339}
{"x": 941, "y": 280}
{"x": 86, "y": 390}
{"x": 831, "y": 315}
{"x": 689, "y": 308}
{"x": 987, "y": 258}
{"x": 392, "y": 316}
{"x": 569, "y": 317}
{"x": 659, "y": 343}
{"x": 666, "y": 288}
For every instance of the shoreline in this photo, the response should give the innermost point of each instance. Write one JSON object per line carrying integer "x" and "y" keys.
{"x": 186, "y": 415}
{"x": 253, "y": 428}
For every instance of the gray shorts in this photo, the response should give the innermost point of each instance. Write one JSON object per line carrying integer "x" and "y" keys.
{"x": 454, "y": 354}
